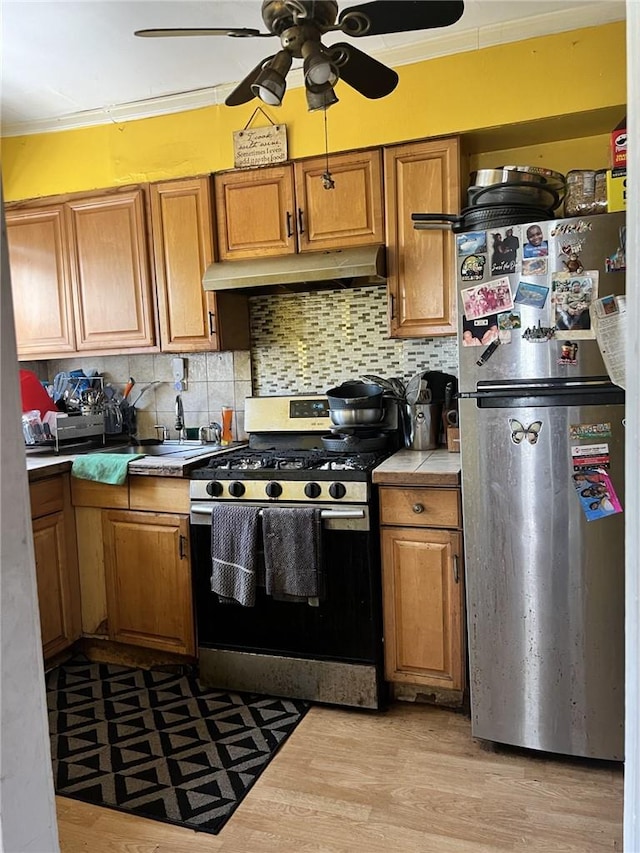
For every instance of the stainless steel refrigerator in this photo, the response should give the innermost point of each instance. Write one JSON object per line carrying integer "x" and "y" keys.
{"x": 542, "y": 452}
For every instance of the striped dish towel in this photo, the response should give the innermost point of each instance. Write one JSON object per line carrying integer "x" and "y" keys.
{"x": 234, "y": 543}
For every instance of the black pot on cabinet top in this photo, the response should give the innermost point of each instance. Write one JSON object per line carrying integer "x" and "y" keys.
{"x": 355, "y": 395}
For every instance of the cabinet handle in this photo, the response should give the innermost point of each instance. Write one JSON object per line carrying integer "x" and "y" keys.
{"x": 183, "y": 547}
{"x": 418, "y": 508}
{"x": 212, "y": 331}
{"x": 456, "y": 569}
{"x": 392, "y": 299}
{"x": 300, "y": 221}
{"x": 289, "y": 218}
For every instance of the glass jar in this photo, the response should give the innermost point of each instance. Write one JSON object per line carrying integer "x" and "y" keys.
{"x": 600, "y": 193}
{"x": 580, "y": 196}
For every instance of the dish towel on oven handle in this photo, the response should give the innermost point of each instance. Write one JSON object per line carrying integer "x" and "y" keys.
{"x": 234, "y": 545}
{"x": 292, "y": 553}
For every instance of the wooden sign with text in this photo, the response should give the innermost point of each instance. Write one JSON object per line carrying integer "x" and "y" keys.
{"x": 260, "y": 146}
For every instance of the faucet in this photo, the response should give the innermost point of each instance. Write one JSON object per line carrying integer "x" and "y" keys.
{"x": 180, "y": 419}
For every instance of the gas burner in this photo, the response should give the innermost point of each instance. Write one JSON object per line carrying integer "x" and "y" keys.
{"x": 290, "y": 464}
{"x": 349, "y": 464}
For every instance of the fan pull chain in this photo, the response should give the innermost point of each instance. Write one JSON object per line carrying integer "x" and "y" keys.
{"x": 327, "y": 178}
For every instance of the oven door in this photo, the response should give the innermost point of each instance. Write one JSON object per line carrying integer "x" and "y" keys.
{"x": 347, "y": 624}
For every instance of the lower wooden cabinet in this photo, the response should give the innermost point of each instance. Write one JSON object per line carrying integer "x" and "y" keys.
{"x": 423, "y": 592}
{"x": 54, "y": 540}
{"x": 148, "y": 580}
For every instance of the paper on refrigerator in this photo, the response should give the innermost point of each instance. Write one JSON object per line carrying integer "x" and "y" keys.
{"x": 609, "y": 322}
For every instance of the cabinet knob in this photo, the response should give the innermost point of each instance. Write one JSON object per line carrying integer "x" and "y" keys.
{"x": 418, "y": 508}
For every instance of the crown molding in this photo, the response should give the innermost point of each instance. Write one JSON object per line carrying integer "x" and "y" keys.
{"x": 590, "y": 15}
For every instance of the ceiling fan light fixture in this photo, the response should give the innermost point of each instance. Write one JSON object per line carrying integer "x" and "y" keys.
{"x": 270, "y": 84}
{"x": 318, "y": 67}
{"x": 320, "y": 98}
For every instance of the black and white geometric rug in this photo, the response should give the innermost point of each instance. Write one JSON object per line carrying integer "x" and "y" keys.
{"x": 159, "y": 746}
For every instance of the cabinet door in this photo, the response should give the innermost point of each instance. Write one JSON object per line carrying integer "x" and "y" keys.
{"x": 423, "y": 607}
{"x": 148, "y": 576}
{"x": 421, "y": 177}
{"x": 182, "y": 250}
{"x": 255, "y": 213}
{"x": 111, "y": 285}
{"x": 40, "y": 281}
{"x": 350, "y": 214}
{"x": 57, "y": 579}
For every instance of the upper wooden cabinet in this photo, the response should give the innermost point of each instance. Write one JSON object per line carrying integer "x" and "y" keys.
{"x": 421, "y": 177}
{"x": 113, "y": 304}
{"x": 41, "y": 281}
{"x": 80, "y": 276}
{"x": 281, "y": 210}
{"x": 191, "y": 318}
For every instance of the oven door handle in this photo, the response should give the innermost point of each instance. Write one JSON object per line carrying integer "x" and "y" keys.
{"x": 324, "y": 514}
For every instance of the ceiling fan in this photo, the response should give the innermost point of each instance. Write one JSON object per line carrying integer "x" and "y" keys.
{"x": 300, "y": 25}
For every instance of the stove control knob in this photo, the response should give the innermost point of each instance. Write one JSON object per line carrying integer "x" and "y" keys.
{"x": 273, "y": 490}
{"x": 214, "y": 489}
{"x": 337, "y": 490}
{"x": 312, "y": 490}
{"x": 236, "y": 489}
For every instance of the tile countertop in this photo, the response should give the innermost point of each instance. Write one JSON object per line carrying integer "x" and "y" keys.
{"x": 39, "y": 467}
{"x": 419, "y": 468}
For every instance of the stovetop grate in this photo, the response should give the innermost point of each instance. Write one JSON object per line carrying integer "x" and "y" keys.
{"x": 286, "y": 463}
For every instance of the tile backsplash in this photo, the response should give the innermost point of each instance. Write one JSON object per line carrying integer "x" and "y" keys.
{"x": 307, "y": 343}
{"x": 300, "y": 344}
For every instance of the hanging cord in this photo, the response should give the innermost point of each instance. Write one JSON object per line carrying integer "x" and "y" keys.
{"x": 327, "y": 179}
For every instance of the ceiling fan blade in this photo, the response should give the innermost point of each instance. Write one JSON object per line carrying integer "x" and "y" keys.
{"x": 399, "y": 16}
{"x": 362, "y": 72}
{"x": 242, "y": 94}
{"x": 235, "y": 32}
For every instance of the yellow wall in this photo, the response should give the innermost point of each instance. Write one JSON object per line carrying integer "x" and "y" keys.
{"x": 578, "y": 72}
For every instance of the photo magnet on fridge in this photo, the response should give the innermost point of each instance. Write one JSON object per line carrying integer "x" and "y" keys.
{"x": 533, "y": 295}
{"x": 571, "y": 299}
{"x": 486, "y": 299}
{"x": 535, "y": 245}
{"x": 597, "y": 495}
{"x": 472, "y": 268}
{"x": 483, "y": 331}
{"x": 504, "y": 246}
{"x": 534, "y": 266}
{"x": 471, "y": 243}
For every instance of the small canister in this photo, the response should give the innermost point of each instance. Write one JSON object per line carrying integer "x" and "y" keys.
{"x": 600, "y": 199}
{"x": 580, "y": 197}
{"x": 425, "y": 425}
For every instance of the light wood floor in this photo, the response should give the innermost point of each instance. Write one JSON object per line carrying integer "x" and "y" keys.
{"x": 410, "y": 780}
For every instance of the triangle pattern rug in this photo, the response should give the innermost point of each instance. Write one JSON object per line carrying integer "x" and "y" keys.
{"x": 158, "y": 745}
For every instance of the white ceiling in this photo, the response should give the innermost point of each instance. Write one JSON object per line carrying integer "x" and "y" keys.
{"x": 70, "y": 64}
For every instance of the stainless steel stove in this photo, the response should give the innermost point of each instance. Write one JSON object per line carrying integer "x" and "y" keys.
{"x": 286, "y": 460}
{"x": 329, "y": 653}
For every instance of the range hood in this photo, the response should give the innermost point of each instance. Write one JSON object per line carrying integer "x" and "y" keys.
{"x": 306, "y": 271}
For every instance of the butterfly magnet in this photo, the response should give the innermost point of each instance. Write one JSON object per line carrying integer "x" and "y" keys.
{"x": 520, "y": 432}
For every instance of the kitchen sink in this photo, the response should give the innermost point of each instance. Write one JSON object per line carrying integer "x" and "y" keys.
{"x": 184, "y": 450}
